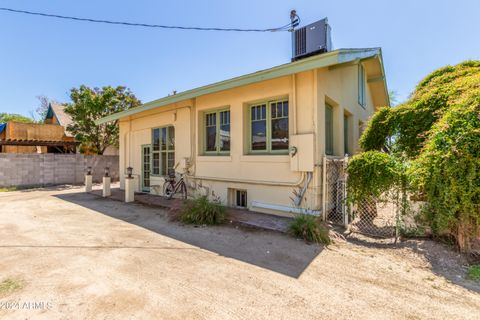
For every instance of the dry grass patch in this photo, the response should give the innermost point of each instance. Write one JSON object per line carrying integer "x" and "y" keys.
{"x": 9, "y": 286}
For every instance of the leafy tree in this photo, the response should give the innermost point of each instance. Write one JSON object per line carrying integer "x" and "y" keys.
{"x": 90, "y": 104}
{"x": 434, "y": 138}
{"x": 5, "y": 117}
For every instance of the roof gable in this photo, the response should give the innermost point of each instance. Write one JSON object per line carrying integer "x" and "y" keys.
{"x": 63, "y": 119}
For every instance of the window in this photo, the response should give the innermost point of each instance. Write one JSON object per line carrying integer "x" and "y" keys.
{"x": 269, "y": 127}
{"x": 346, "y": 132}
{"x": 328, "y": 129}
{"x": 361, "y": 85}
{"x": 240, "y": 198}
{"x": 163, "y": 150}
{"x": 217, "y": 132}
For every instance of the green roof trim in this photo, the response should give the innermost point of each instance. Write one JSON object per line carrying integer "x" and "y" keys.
{"x": 314, "y": 62}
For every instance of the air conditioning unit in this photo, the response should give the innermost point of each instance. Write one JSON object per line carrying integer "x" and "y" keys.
{"x": 311, "y": 40}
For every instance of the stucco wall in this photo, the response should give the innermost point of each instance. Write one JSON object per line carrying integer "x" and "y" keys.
{"x": 267, "y": 178}
{"x": 53, "y": 169}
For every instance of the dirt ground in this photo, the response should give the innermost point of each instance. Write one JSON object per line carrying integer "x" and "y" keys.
{"x": 70, "y": 255}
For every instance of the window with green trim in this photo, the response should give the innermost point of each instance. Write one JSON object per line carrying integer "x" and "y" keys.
{"x": 361, "y": 85}
{"x": 269, "y": 127}
{"x": 217, "y": 132}
{"x": 163, "y": 150}
{"x": 328, "y": 129}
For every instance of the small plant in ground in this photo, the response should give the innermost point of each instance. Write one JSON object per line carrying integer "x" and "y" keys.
{"x": 310, "y": 229}
{"x": 8, "y": 189}
{"x": 474, "y": 272}
{"x": 201, "y": 210}
{"x": 8, "y": 286}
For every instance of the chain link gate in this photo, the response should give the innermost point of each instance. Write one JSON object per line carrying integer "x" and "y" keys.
{"x": 374, "y": 217}
{"x": 334, "y": 197}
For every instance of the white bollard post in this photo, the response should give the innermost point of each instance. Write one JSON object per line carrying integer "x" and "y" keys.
{"x": 106, "y": 183}
{"x": 129, "y": 186}
{"x": 88, "y": 180}
{"x": 129, "y": 189}
{"x": 106, "y": 187}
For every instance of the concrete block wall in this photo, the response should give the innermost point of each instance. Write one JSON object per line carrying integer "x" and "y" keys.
{"x": 17, "y": 169}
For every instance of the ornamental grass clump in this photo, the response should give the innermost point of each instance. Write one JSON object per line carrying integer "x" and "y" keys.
{"x": 202, "y": 211}
{"x": 474, "y": 272}
{"x": 310, "y": 229}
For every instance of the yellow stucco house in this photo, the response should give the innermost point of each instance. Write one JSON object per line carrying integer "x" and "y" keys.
{"x": 254, "y": 139}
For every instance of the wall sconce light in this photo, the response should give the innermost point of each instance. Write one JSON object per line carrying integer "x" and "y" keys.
{"x": 129, "y": 172}
{"x": 107, "y": 172}
{"x": 89, "y": 171}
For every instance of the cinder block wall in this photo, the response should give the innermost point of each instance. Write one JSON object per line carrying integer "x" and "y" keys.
{"x": 17, "y": 169}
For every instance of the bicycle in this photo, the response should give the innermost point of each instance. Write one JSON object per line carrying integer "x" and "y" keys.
{"x": 172, "y": 187}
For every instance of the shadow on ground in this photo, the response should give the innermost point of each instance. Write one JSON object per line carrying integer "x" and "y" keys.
{"x": 444, "y": 261}
{"x": 269, "y": 250}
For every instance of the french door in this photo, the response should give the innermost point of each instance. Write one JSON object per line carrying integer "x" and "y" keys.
{"x": 146, "y": 168}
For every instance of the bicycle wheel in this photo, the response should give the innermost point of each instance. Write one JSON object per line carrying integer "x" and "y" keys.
{"x": 183, "y": 190}
{"x": 168, "y": 189}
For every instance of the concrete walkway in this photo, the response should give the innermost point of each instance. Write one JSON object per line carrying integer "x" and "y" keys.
{"x": 245, "y": 218}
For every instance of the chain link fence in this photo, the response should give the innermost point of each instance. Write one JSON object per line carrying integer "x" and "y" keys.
{"x": 381, "y": 217}
{"x": 375, "y": 217}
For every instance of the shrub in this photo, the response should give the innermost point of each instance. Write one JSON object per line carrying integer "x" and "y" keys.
{"x": 370, "y": 174}
{"x": 203, "y": 211}
{"x": 474, "y": 272}
{"x": 433, "y": 140}
{"x": 309, "y": 229}
{"x": 447, "y": 172}
{"x": 378, "y": 130}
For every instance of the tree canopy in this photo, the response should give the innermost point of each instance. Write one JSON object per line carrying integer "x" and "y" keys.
{"x": 5, "y": 117}
{"x": 435, "y": 137}
{"x": 90, "y": 104}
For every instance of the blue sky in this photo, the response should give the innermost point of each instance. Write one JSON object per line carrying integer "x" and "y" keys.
{"x": 43, "y": 56}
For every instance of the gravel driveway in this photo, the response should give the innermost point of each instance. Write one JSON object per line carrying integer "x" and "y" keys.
{"x": 76, "y": 256}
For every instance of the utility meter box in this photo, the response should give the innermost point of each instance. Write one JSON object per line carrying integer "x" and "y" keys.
{"x": 301, "y": 152}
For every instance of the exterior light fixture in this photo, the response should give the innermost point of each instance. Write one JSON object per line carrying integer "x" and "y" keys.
{"x": 89, "y": 171}
{"x": 107, "y": 172}
{"x": 129, "y": 172}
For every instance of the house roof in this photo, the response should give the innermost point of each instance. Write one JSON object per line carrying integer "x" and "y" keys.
{"x": 375, "y": 75}
{"x": 62, "y": 117}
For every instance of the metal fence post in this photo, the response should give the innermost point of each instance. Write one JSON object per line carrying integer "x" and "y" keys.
{"x": 324, "y": 189}
{"x": 345, "y": 204}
